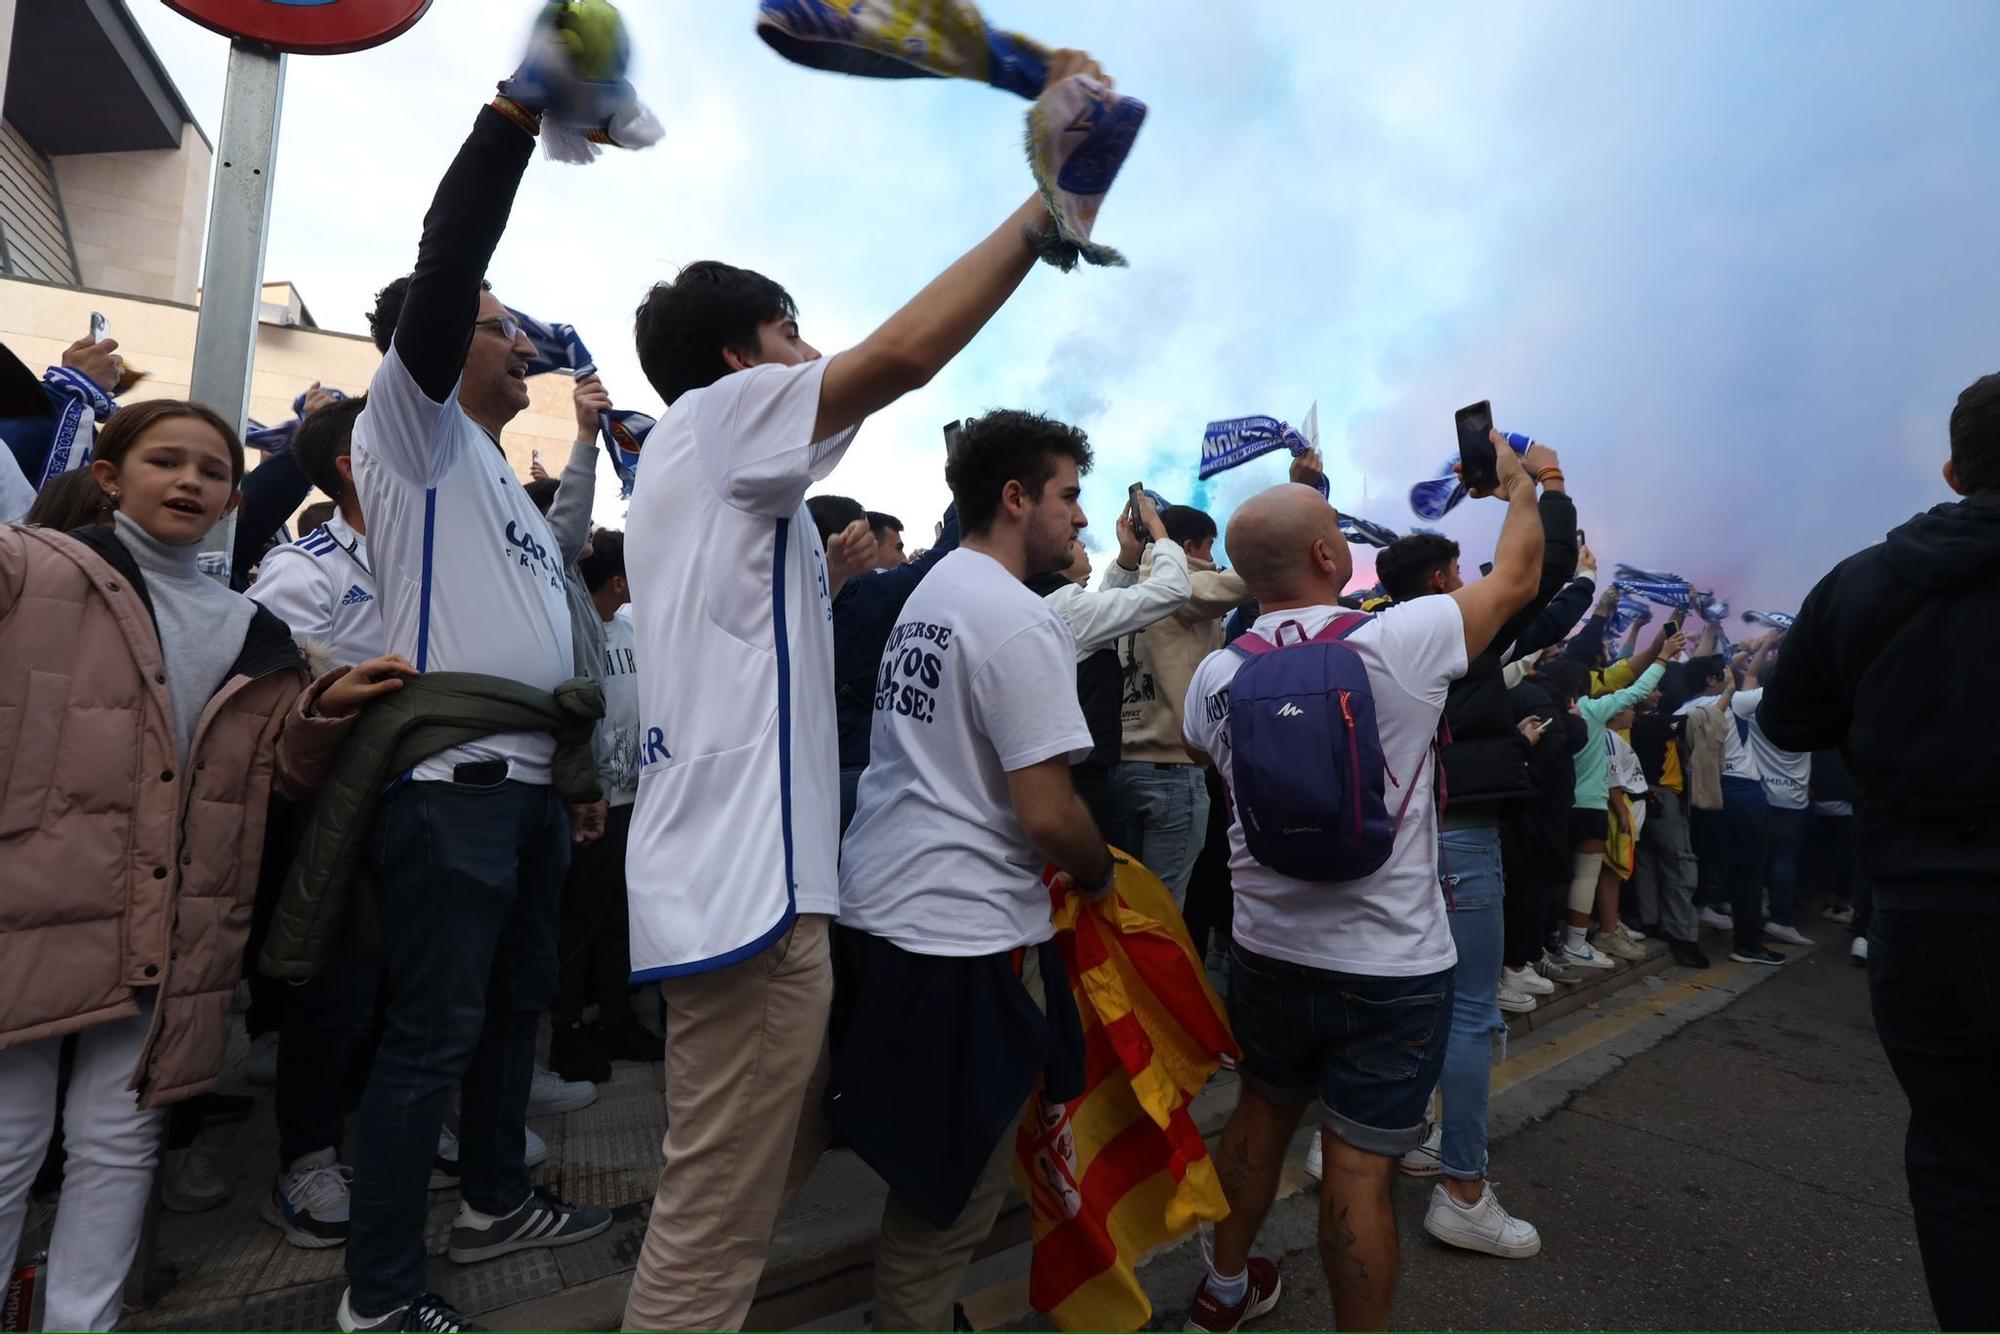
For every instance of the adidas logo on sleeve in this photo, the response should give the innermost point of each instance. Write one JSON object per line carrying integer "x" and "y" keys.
{"x": 356, "y": 594}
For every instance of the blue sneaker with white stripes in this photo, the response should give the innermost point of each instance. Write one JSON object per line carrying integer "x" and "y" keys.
{"x": 542, "y": 1220}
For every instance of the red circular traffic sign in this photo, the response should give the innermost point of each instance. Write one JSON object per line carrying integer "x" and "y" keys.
{"x": 307, "y": 27}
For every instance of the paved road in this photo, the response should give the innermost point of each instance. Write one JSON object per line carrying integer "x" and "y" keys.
{"x": 1744, "y": 1173}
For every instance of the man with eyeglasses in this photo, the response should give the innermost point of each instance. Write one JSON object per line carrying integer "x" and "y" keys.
{"x": 471, "y": 852}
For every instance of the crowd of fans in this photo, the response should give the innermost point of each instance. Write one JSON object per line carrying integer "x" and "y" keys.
{"x": 553, "y": 762}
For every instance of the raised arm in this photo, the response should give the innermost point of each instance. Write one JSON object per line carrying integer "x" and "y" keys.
{"x": 576, "y": 492}
{"x": 1488, "y": 604}
{"x": 1559, "y": 550}
{"x": 919, "y": 340}
{"x": 271, "y": 491}
{"x": 1101, "y": 617}
{"x": 467, "y": 218}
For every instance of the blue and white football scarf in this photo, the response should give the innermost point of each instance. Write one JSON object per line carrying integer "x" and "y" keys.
{"x": 1365, "y": 533}
{"x": 1770, "y": 620}
{"x": 1669, "y": 590}
{"x": 559, "y": 347}
{"x": 277, "y": 439}
{"x": 574, "y": 74}
{"x": 1236, "y": 440}
{"x": 1079, "y": 132}
{"x": 1435, "y": 497}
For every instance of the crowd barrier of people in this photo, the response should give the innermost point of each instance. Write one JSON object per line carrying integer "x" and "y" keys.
{"x": 457, "y": 764}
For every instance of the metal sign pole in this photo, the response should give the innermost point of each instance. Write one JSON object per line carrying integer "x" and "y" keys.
{"x": 239, "y": 222}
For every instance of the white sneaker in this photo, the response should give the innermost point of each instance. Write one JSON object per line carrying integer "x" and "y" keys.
{"x": 445, "y": 1169}
{"x": 1709, "y": 917}
{"x": 1586, "y": 956}
{"x": 551, "y": 1093}
{"x": 192, "y": 1182}
{"x": 1483, "y": 1227}
{"x": 261, "y": 1065}
{"x": 1515, "y": 1002}
{"x": 1427, "y": 1159}
{"x": 1619, "y": 946}
{"x": 1526, "y": 981}
{"x": 1789, "y": 934}
{"x": 1841, "y": 915}
{"x": 309, "y": 1201}
{"x": 1858, "y": 951}
{"x": 1631, "y": 933}
{"x": 1315, "y": 1164}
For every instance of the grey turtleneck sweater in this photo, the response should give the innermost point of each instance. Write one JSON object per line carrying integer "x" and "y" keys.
{"x": 201, "y": 624}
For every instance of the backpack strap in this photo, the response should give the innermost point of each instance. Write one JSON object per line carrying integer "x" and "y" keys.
{"x": 1249, "y": 644}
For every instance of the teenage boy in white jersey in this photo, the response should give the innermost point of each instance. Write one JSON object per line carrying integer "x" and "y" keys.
{"x": 470, "y": 853}
{"x": 323, "y": 585}
{"x": 1340, "y": 994}
{"x": 731, "y": 870}
{"x": 323, "y": 588}
{"x": 953, "y": 999}
{"x": 596, "y": 956}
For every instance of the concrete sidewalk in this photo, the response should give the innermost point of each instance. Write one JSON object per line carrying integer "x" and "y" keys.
{"x": 237, "y": 1272}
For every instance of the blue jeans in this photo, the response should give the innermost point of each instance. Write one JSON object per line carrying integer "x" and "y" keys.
{"x": 1474, "y": 892}
{"x": 1163, "y": 809}
{"x": 1746, "y": 817}
{"x": 1788, "y": 841}
{"x": 471, "y": 883}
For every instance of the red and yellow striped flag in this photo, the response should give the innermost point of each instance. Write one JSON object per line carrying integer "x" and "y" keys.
{"x": 1123, "y": 1168}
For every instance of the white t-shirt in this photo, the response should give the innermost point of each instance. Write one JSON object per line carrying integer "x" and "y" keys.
{"x": 17, "y": 493}
{"x": 323, "y": 588}
{"x": 1738, "y": 760}
{"x": 617, "y": 739}
{"x": 1787, "y": 774}
{"x": 978, "y": 679}
{"x": 1392, "y": 923}
{"x": 469, "y": 577}
{"x": 737, "y": 824}
{"x": 1622, "y": 763}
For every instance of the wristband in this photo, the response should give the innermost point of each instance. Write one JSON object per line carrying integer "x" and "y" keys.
{"x": 524, "y": 120}
{"x": 1546, "y": 473}
{"x": 1110, "y": 870}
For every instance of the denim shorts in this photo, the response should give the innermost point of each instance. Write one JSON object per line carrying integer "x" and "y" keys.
{"x": 1369, "y": 1048}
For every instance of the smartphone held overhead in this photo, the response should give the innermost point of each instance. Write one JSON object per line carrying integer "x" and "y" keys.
{"x": 1479, "y": 467}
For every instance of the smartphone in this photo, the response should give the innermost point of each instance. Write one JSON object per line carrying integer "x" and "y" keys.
{"x": 1485, "y": 568}
{"x": 99, "y": 326}
{"x": 1673, "y": 628}
{"x": 951, "y": 430}
{"x": 1480, "y": 470}
{"x": 1581, "y": 540}
{"x": 1132, "y": 495}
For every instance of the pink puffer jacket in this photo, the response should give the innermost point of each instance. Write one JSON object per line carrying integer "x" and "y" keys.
{"x": 121, "y": 868}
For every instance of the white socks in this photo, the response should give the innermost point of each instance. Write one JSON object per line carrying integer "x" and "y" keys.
{"x": 1228, "y": 1291}
{"x": 1573, "y": 939}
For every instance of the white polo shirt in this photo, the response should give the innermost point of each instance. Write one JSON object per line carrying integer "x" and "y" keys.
{"x": 737, "y": 825}
{"x": 469, "y": 576}
{"x": 323, "y": 589}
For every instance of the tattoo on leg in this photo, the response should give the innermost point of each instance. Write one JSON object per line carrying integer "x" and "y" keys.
{"x": 1233, "y": 1167}
{"x": 1337, "y": 1244}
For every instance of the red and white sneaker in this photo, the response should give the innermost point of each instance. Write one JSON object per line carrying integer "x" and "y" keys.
{"x": 1211, "y": 1317}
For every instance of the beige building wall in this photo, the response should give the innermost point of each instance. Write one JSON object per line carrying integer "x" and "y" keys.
{"x": 138, "y": 219}
{"x": 37, "y": 321}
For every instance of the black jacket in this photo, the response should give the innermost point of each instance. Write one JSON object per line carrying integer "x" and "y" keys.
{"x": 864, "y": 615}
{"x": 1486, "y": 764}
{"x": 1887, "y": 662}
{"x": 1534, "y": 840}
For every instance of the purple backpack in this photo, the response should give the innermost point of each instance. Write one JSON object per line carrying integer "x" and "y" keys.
{"x": 1307, "y": 772}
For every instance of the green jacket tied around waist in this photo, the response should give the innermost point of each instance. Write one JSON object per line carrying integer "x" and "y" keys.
{"x": 319, "y": 913}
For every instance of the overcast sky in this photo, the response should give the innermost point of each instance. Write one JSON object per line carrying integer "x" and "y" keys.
{"x": 1734, "y": 261}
